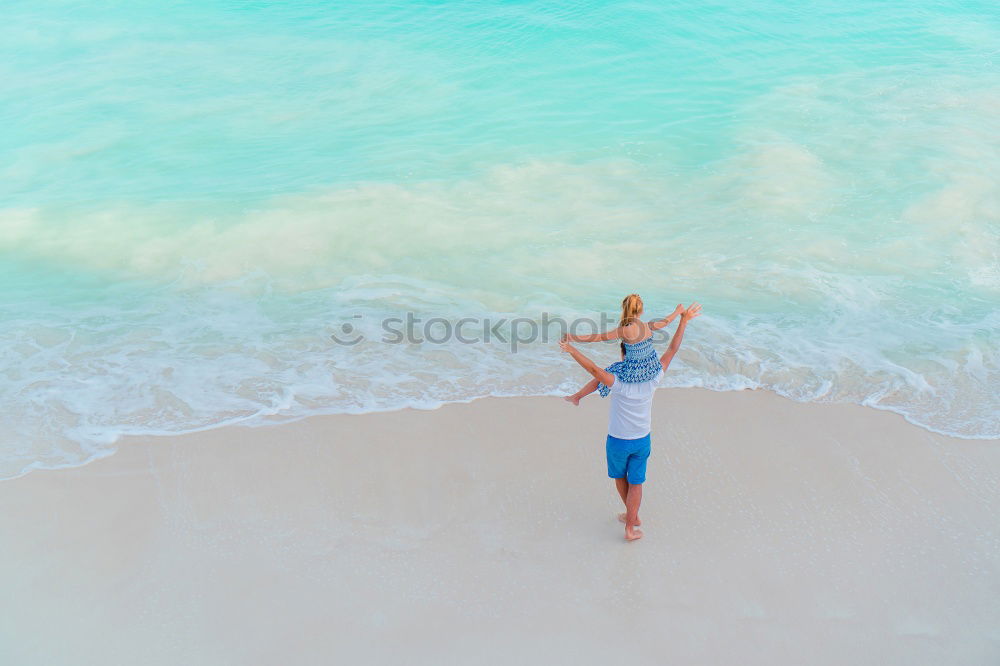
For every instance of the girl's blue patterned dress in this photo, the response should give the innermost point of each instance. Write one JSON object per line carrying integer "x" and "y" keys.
{"x": 641, "y": 364}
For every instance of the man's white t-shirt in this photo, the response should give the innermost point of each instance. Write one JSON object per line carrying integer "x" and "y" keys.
{"x": 630, "y": 407}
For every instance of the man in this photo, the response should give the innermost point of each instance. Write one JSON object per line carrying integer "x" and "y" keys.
{"x": 628, "y": 441}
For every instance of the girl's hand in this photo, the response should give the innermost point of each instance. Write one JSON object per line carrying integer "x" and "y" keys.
{"x": 691, "y": 312}
{"x": 678, "y": 310}
{"x": 565, "y": 345}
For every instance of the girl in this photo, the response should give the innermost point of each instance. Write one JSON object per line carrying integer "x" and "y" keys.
{"x": 639, "y": 360}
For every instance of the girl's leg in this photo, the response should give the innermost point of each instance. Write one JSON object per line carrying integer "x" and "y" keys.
{"x": 587, "y": 389}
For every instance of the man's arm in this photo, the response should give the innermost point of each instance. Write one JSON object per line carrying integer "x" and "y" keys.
{"x": 657, "y": 324}
{"x": 600, "y": 374}
{"x": 675, "y": 343}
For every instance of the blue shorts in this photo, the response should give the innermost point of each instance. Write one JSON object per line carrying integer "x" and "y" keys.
{"x": 627, "y": 458}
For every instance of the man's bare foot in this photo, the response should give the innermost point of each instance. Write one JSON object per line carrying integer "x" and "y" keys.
{"x": 632, "y": 534}
{"x": 621, "y": 519}
{"x": 573, "y": 398}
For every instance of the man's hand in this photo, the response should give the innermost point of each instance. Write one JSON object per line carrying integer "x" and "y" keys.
{"x": 691, "y": 312}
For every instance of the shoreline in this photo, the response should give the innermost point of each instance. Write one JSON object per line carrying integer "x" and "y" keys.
{"x": 250, "y": 422}
{"x": 778, "y": 530}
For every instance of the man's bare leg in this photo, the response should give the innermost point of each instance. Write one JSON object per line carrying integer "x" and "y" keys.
{"x": 632, "y": 501}
{"x": 622, "y": 486}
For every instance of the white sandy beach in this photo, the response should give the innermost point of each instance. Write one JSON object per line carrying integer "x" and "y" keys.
{"x": 485, "y": 533}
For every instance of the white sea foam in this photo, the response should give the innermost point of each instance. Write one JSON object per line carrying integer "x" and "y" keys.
{"x": 184, "y": 361}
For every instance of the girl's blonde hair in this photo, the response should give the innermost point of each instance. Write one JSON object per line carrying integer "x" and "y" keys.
{"x": 631, "y": 307}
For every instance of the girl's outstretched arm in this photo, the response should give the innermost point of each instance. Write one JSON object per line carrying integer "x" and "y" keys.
{"x": 600, "y": 374}
{"x": 614, "y": 334}
{"x": 587, "y": 389}
{"x": 657, "y": 324}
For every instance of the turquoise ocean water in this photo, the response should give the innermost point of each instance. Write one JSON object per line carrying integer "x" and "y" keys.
{"x": 194, "y": 196}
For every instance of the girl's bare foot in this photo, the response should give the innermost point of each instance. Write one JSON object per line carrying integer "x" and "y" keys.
{"x": 621, "y": 519}
{"x": 573, "y": 398}
{"x": 632, "y": 534}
